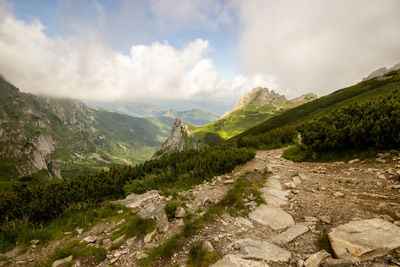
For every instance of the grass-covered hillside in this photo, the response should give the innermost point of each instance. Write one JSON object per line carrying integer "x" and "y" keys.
{"x": 252, "y": 109}
{"x": 43, "y": 137}
{"x": 360, "y": 92}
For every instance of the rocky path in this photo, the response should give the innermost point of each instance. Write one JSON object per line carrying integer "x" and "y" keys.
{"x": 356, "y": 204}
{"x": 351, "y": 210}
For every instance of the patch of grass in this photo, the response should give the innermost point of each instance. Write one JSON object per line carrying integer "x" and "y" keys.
{"x": 75, "y": 249}
{"x": 3, "y": 258}
{"x": 201, "y": 257}
{"x": 323, "y": 243}
{"x": 133, "y": 226}
{"x": 82, "y": 217}
{"x": 170, "y": 209}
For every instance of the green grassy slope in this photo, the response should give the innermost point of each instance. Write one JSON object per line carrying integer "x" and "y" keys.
{"x": 357, "y": 93}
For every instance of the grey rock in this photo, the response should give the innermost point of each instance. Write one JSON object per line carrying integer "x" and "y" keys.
{"x": 148, "y": 237}
{"x": 376, "y": 73}
{"x": 156, "y": 212}
{"x": 35, "y": 242}
{"x": 79, "y": 230}
{"x": 207, "y": 245}
{"x": 338, "y": 194}
{"x": 274, "y": 217}
{"x": 62, "y": 261}
{"x": 254, "y": 249}
{"x": 310, "y": 219}
{"x": 244, "y": 222}
{"x": 121, "y": 222}
{"x": 89, "y": 239}
{"x": 235, "y": 261}
{"x": 289, "y": 235}
{"x": 229, "y": 181}
{"x": 296, "y": 180}
{"x": 365, "y": 239}
{"x": 180, "y": 212}
{"x": 119, "y": 239}
{"x": 337, "y": 263}
{"x": 134, "y": 201}
{"x": 354, "y": 161}
{"x": 316, "y": 259}
{"x": 290, "y": 185}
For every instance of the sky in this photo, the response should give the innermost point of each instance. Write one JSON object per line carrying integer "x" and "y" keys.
{"x": 128, "y": 50}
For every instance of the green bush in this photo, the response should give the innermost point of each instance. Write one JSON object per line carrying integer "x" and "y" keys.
{"x": 170, "y": 209}
{"x": 201, "y": 257}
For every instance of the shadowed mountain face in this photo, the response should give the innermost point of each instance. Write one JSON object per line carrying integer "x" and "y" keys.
{"x": 42, "y": 137}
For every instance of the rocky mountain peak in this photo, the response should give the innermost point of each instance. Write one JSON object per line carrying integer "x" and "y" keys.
{"x": 305, "y": 98}
{"x": 180, "y": 138}
{"x": 381, "y": 72}
{"x": 261, "y": 96}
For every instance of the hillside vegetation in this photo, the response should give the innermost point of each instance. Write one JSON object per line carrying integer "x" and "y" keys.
{"x": 44, "y": 137}
{"x": 360, "y": 92}
{"x": 257, "y": 106}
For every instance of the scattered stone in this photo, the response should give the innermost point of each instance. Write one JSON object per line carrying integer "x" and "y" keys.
{"x": 119, "y": 239}
{"x": 230, "y": 181}
{"x": 397, "y": 223}
{"x": 20, "y": 262}
{"x": 244, "y": 222}
{"x": 148, "y": 237}
{"x": 254, "y": 249}
{"x": 120, "y": 211}
{"x": 106, "y": 242}
{"x": 338, "y": 194}
{"x": 310, "y": 219}
{"x": 121, "y": 222}
{"x": 180, "y": 212}
{"x": 89, "y": 239}
{"x": 157, "y": 212}
{"x": 289, "y": 235}
{"x": 236, "y": 246}
{"x": 290, "y": 185}
{"x": 316, "y": 259}
{"x": 300, "y": 263}
{"x": 67, "y": 233}
{"x": 235, "y": 261}
{"x": 274, "y": 217}
{"x": 326, "y": 219}
{"x": 207, "y": 245}
{"x": 140, "y": 255}
{"x": 35, "y": 242}
{"x": 79, "y": 230}
{"x": 296, "y": 180}
{"x": 62, "y": 261}
{"x": 114, "y": 260}
{"x": 354, "y": 161}
{"x": 366, "y": 239}
{"x": 382, "y": 176}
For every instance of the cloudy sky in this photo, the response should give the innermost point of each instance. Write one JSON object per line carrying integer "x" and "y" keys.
{"x": 113, "y": 50}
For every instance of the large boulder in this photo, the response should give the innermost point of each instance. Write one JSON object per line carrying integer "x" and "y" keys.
{"x": 157, "y": 213}
{"x": 135, "y": 201}
{"x": 290, "y": 234}
{"x": 366, "y": 239}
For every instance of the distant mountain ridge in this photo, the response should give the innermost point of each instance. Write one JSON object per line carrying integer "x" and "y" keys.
{"x": 255, "y": 107}
{"x": 45, "y": 137}
{"x": 381, "y": 72}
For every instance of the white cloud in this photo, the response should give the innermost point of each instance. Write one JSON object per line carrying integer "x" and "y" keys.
{"x": 318, "y": 46}
{"x": 89, "y": 69}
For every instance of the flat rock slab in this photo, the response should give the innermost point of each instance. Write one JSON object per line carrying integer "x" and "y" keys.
{"x": 273, "y": 183}
{"x": 366, "y": 239}
{"x": 272, "y": 199}
{"x": 316, "y": 259}
{"x": 274, "y": 217}
{"x": 262, "y": 250}
{"x": 290, "y": 234}
{"x": 235, "y": 261}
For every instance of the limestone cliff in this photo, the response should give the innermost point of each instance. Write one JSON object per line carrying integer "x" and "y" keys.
{"x": 180, "y": 139}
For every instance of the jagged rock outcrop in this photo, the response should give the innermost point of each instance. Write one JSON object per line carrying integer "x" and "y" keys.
{"x": 259, "y": 97}
{"x": 263, "y": 98}
{"x": 180, "y": 139}
{"x": 380, "y": 72}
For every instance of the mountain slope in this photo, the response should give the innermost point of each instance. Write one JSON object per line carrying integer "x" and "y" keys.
{"x": 44, "y": 137}
{"x": 360, "y": 92}
{"x": 255, "y": 107}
